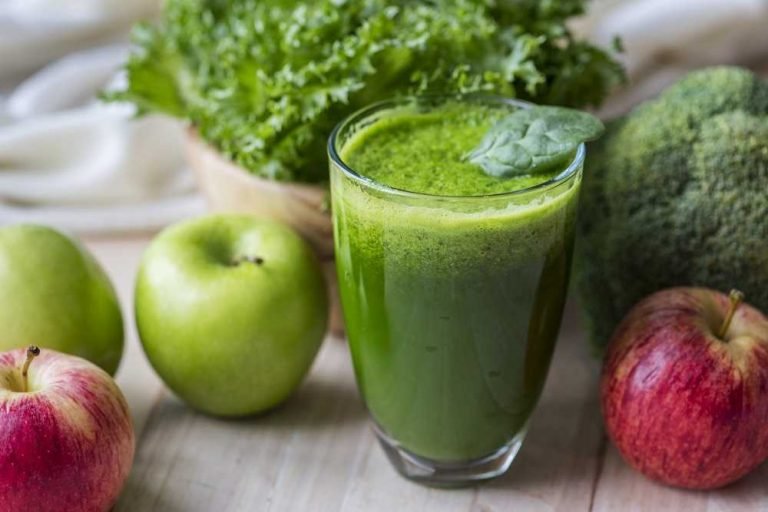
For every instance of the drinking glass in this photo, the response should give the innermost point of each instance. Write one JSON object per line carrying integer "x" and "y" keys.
{"x": 452, "y": 305}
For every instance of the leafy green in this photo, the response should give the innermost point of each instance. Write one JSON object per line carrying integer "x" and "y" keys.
{"x": 531, "y": 140}
{"x": 265, "y": 81}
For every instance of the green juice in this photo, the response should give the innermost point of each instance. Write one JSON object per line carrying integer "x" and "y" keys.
{"x": 452, "y": 282}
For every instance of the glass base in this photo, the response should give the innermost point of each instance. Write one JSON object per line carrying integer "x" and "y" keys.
{"x": 449, "y": 474}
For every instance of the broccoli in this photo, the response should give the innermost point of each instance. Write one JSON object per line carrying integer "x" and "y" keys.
{"x": 676, "y": 193}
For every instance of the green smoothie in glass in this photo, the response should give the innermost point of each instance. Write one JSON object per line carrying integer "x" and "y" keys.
{"x": 452, "y": 281}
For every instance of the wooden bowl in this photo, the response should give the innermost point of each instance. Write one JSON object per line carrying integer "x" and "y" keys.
{"x": 229, "y": 188}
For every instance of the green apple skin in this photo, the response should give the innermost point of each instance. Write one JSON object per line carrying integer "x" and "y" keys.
{"x": 231, "y": 311}
{"x": 55, "y": 295}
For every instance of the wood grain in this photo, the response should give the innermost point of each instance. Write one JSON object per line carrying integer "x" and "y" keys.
{"x": 621, "y": 488}
{"x": 318, "y": 453}
{"x": 120, "y": 259}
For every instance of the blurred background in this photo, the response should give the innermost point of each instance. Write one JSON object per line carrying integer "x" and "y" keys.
{"x": 72, "y": 162}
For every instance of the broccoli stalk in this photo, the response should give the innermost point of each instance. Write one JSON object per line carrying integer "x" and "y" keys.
{"x": 676, "y": 194}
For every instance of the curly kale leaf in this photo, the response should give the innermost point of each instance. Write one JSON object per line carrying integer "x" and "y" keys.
{"x": 264, "y": 81}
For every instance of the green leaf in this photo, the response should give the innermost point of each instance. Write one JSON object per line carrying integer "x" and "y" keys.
{"x": 532, "y": 140}
{"x": 265, "y": 81}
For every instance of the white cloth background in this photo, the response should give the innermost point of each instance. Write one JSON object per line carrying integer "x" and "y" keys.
{"x": 69, "y": 161}
{"x": 35, "y": 32}
{"x": 66, "y": 159}
{"x": 665, "y": 39}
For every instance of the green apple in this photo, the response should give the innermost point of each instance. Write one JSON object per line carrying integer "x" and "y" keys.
{"x": 54, "y": 294}
{"x": 231, "y": 311}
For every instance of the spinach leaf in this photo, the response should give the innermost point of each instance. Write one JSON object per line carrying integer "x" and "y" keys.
{"x": 265, "y": 81}
{"x": 533, "y": 139}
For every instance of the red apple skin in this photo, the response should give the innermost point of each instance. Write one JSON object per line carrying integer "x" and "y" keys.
{"x": 683, "y": 406}
{"x": 68, "y": 444}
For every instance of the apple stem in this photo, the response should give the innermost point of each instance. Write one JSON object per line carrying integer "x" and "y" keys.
{"x": 256, "y": 260}
{"x": 32, "y": 352}
{"x": 736, "y": 298}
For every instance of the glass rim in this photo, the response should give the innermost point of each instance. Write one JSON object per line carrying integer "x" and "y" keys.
{"x": 333, "y": 152}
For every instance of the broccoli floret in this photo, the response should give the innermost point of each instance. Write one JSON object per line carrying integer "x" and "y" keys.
{"x": 676, "y": 193}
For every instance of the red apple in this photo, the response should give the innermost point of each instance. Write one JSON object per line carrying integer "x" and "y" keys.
{"x": 66, "y": 437}
{"x": 685, "y": 388}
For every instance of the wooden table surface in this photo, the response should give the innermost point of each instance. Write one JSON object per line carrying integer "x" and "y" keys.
{"x": 317, "y": 452}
